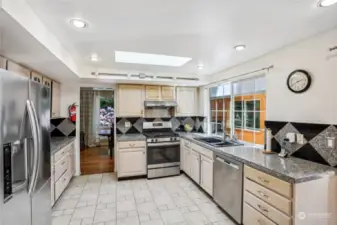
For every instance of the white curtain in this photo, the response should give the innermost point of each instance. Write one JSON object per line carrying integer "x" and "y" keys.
{"x": 95, "y": 117}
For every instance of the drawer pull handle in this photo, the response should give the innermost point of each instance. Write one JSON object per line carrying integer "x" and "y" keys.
{"x": 263, "y": 194}
{"x": 262, "y": 208}
{"x": 264, "y": 180}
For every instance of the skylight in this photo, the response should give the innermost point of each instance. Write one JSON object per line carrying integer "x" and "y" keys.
{"x": 150, "y": 59}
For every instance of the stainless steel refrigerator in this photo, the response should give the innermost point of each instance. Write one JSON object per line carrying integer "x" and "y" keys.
{"x": 25, "y": 151}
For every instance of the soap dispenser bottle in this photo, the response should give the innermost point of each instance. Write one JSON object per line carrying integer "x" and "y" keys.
{"x": 284, "y": 152}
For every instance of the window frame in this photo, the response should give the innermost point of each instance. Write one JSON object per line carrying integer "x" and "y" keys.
{"x": 232, "y": 111}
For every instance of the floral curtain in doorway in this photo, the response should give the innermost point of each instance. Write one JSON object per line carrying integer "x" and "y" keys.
{"x": 89, "y": 116}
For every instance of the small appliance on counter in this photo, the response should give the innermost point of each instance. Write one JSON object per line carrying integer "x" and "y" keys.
{"x": 163, "y": 149}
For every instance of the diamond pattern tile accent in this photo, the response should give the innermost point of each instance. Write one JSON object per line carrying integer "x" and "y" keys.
{"x": 139, "y": 125}
{"x": 175, "y": 123}
{"x": 288, "y": 128}
{"x": 66, "y": 127}
{"x": 121, "y": 126}
{"x": 52, "y": 127}
{"x": 320, "y": 144}
{"x": 189, "y": 121}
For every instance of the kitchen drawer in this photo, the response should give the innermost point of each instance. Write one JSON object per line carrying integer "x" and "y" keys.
{"x": 269, "y": 196}
{"x": 186, "y": 143}
{"x": 60, "y": 154}
{"x": 277, "y": 216}
{"x": 61, "y": 184}
{"x": 131, "y": 144}
{"x": 61, "y": 166}
{"x": 269, "y": 181}
{"x": 253, "y": 217}
{"x": 202, "y": 150}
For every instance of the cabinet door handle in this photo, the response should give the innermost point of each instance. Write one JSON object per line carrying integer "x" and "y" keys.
{"x": 263, "y": 194}
{"x": 264, "y": 180}
{"x": 144, "y": 152}
{"x": 261, "y": 222}
{"x": 262, "y": 208}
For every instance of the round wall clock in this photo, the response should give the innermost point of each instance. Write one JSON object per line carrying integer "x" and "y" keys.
{"x": 299, "y": 81}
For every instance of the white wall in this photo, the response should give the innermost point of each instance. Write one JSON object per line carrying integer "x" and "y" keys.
{"x": 319, "y": 103}
{"x": 71, "y": 94}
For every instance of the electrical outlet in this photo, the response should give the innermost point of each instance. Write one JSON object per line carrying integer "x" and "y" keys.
{"x": 330, "y": 142}
{"x": 300, "y": 139}
{"x": 127, "y": 124}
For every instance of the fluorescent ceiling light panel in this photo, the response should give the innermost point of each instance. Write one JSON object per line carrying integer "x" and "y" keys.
{"x": 150, "y": 59}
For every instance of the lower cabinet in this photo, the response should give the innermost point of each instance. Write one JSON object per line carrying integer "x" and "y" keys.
{"x": 195, "y": 166}
{"x": 62, "y": 169}
{"x": 198, "y": 165}
{"x": 206, "y": 174}
{"x": 131, "y": 159}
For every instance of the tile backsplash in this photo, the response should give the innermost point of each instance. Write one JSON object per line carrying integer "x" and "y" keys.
{"x": 314, "y": 148}
{"x": 136, "y": 123}
{"x": 62, "y": 127}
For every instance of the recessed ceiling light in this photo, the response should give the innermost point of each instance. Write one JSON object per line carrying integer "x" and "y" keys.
{"x": 325, "y": 3}
{"x": 200, "y": 66}
{"x": 150, "y": 59}
{"x": 94, "y": 57}
{"x": 78, "y": 23}
{"x": 240, "y": 47}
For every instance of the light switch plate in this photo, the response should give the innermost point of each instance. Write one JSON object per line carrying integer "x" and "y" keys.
{"x": 291, "y": 137}
{"x": 300, "y": 139}
{"x": 127, "y": 124}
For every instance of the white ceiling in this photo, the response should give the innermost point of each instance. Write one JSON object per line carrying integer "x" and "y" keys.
{"x": 206, "y": 31}
{"x": 17, "y": 44}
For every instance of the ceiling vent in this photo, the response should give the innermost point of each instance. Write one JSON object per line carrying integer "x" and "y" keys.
{"x": 109, "y": 74}
{"x": 165, "y": 78}
{"x": 187, "y": 78}
{"x": 142, "y": 76}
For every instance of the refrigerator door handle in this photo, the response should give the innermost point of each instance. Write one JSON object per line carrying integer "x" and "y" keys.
{"x": 36, "y": 142}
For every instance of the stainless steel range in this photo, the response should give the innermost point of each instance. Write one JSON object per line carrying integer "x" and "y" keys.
{"x": 163, "y": 149}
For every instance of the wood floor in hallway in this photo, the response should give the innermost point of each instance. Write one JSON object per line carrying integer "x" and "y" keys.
{"x": 96, "y": 160}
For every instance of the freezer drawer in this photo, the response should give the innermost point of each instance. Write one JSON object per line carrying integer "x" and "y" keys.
{"x": 228, "y": 186}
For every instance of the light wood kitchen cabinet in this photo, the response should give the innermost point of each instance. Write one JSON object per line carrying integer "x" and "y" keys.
{"x": 56, "y": 94}
{"x": 131, "y": 162}
{"x": 206, "y": 174}
{"x": 61, "y": 170}
{"x": 131, "y": 158}
{"x": 187, "y": 99}
{"x": 46, "y": 81}
{"x": 36, "y": 77}
{"x": 130, "y": 100}
{"x": 195, "y": 166}
{"x": 152, "y": 93}
{"x": 187, "y": 156}
{"x": 3, "y": 62}
{"x": 16, "y": 68}
{"x": 167, "y": 93}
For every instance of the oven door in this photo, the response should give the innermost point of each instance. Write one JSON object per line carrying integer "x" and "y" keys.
{"x": 163, "y": 155}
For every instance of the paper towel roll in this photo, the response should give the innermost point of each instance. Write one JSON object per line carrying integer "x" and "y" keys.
{"x": 268, "y": 139}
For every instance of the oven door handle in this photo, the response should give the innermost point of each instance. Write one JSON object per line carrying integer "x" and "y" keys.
{"x": 163, "y": 144}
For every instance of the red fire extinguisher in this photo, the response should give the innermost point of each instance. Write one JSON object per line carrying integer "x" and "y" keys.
{"x": 72, "y": 112}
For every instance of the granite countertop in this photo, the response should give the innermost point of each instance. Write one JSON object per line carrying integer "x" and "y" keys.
{"x": 130, "y": 137}
{"x": 57, "y": 143}
{"x": 291, "y": 169}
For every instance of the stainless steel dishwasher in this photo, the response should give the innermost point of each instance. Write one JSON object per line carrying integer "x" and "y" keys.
{"x": 228, "y": 186}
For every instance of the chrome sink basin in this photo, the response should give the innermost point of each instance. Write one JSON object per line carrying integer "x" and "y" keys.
{"x": 217, "y": 142}
{"x": 226, "y": 144}
{"x": 209, "y": 140}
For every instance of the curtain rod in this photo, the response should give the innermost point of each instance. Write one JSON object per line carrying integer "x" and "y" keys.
{"x": 241, "y": 75}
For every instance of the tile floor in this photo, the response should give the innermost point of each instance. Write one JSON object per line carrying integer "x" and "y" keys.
{"x": 101, "y": 200}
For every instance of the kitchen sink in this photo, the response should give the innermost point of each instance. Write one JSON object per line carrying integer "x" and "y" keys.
{"x": 209, "y": 140}
{"x": 217, "y": 142}
{"x": 226, "y": 144}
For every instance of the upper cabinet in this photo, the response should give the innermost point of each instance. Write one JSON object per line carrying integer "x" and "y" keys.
{"x": 167, "y": 93}
{"x": 187, "y": 99}
{"x": 55, "y": 105}
{"x": 46, "y": 81}
{"x": 2, "y": 62}
{"x": 130, "y": 100}
{"x": 37, "y": 77}
{"x": 152, "y": 92}
{"x": 16, "y": 68}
